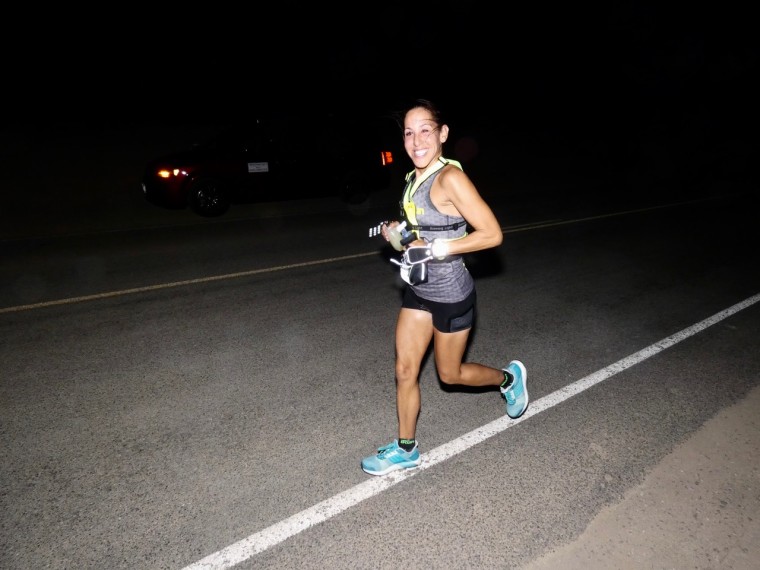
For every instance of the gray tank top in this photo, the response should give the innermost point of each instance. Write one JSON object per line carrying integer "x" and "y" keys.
{"x": 448, "y": 281}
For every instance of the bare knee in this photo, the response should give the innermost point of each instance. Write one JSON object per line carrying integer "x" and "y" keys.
{"x": 450, "y": 375}
{"x": 406, "y": 374}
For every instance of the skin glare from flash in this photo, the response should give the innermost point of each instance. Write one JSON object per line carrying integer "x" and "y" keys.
{"x": 409, "y": 133}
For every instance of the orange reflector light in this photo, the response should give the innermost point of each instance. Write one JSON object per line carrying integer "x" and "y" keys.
{"x": 164, "y": 173}
{"x": 386, "y": 157}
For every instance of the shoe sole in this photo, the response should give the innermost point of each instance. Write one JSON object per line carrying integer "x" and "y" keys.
{"x": 524, "y": 372}
{"x": 394, "y": 467}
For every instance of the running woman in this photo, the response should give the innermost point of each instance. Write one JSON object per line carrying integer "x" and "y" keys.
{"x": 449, "y": 216}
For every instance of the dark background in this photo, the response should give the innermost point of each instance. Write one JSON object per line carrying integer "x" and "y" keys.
{"x": 561, "y": 64}
{"x": 662, "y": 90}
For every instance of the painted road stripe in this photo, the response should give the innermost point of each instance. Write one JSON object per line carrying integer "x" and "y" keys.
{"x": 277, "y": 533}
{"x": 175, "y": 284}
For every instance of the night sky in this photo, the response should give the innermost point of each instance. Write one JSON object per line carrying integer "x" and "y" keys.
{"x": 555, "y": 59}
{"x": 569, "y": 72}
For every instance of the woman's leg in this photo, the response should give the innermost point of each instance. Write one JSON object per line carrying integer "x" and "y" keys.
{"x": 449, "y": 351}
{"x": 414, "y": 330}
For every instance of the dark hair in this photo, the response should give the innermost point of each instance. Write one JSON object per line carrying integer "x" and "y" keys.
{"x": 429, "y": 106}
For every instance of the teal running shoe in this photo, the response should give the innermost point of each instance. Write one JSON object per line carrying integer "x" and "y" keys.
{"x": 391, "y": 458}
{"x": 516, "y": 394}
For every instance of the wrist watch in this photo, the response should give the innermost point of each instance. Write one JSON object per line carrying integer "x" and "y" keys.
{"x": 439, "y": 249}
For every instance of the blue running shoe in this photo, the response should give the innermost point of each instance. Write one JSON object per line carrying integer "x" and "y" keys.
{"x": 516, "y": 393}
{"x": 390, "y": 458}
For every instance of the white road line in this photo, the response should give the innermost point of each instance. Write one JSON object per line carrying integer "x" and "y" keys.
{"x": 122, "y": 292}
{"x": 277, "y": 533}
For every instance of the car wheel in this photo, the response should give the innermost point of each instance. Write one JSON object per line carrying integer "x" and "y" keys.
{"x": 355, "y": 188}
{"x": 207, "y": 198}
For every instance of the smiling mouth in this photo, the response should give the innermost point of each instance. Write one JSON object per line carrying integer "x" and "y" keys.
{"x": 420, "y": 152}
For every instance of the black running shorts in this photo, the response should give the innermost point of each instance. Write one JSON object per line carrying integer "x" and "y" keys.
{"x": 447, "y": 317}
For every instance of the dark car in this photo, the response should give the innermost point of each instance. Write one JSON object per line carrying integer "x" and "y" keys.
{"x": 278, "y": 157}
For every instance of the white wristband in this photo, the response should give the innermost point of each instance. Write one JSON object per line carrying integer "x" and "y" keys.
{"x": 439, "y": 249}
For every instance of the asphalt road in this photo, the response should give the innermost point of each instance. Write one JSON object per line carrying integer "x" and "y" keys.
{"x": 184, "y": 393}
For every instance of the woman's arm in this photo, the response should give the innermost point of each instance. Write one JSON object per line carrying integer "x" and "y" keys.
{"x": 453, "y": 193}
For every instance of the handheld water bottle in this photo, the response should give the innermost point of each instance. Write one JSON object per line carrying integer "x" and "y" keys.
{"x": 399, "y": 236}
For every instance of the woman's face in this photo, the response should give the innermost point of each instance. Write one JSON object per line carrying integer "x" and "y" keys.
{"x": 423, "y": 137}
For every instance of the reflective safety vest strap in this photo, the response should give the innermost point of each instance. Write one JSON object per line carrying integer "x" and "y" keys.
{"x": 447, "y": 228}
{"x": 412, "y": 183}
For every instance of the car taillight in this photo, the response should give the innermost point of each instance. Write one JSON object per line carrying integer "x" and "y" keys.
{"x": 386, "y": 157}
{"x": 166, "y": 173}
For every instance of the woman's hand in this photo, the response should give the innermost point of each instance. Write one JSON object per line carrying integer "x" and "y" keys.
{"x": 385, "y": 229}
{"x": 417, "y": 243}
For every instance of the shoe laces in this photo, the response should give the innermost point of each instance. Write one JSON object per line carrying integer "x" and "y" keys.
{"x": 510, "y": 396}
